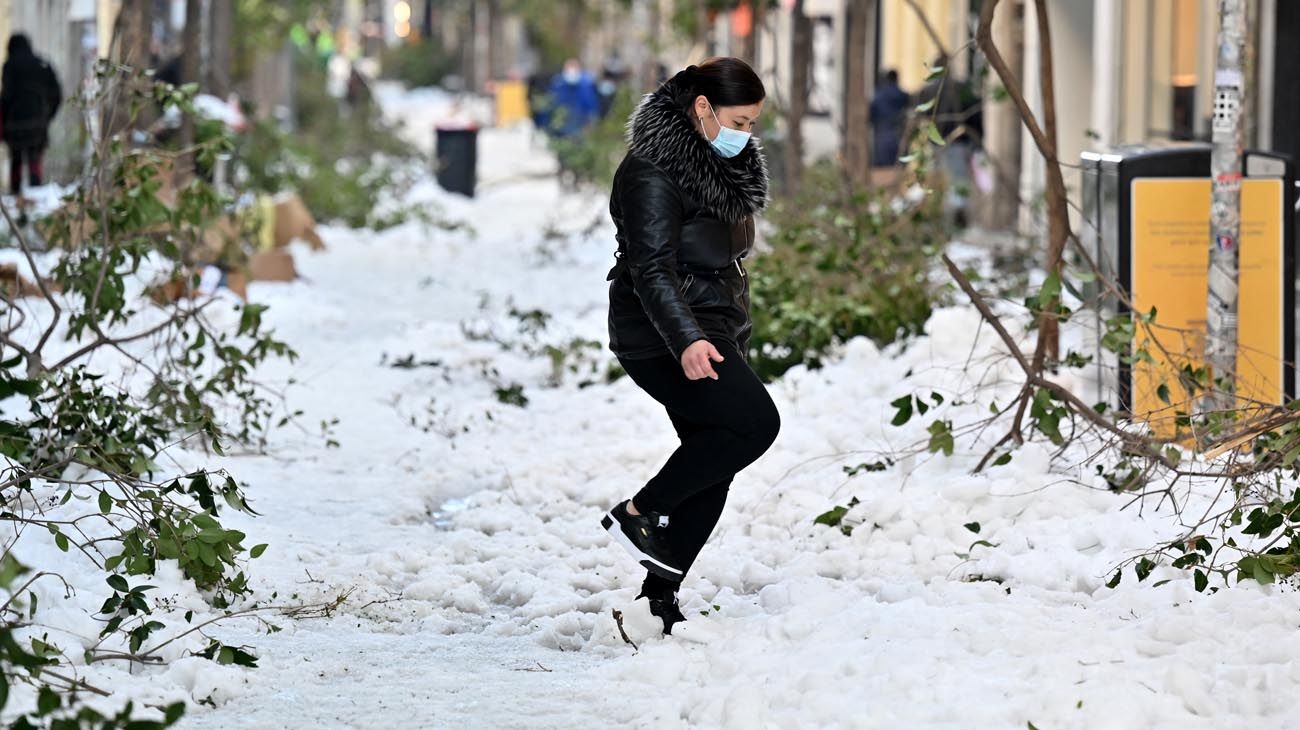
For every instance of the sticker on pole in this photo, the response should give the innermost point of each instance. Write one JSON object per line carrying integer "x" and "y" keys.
{"x": 1229, "y": 77}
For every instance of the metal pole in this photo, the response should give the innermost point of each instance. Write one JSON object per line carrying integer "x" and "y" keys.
{"x": 1225, "y": 209}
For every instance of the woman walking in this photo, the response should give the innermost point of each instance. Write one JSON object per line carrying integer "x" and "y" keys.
{"x": 29, "y": 98}
{"x": 683, "y": 203}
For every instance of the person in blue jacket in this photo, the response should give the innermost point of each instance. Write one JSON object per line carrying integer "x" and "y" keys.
{"x": 574, "y": 101}
{"x": 889, "y": 109}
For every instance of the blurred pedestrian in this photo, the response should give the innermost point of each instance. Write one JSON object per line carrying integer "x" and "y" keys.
{"x": 30, "y": 96}
{"x": 612, "y": 75}
{"x": 683, "y": 204}
{"x": 575, "y": 103}
{"x": 889, "y": 107}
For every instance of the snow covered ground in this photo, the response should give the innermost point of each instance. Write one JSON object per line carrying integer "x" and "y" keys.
{"x": 465, "y": 529}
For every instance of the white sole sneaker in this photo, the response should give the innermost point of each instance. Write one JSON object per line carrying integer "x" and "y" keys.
{"x": 615, "y": 530}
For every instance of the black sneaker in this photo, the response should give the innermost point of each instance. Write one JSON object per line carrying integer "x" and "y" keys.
{"x": 664, "y": 605}
{"x": 643, "y": 536}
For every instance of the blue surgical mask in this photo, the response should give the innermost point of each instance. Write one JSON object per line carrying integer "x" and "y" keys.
{"x": 729, "y": 142}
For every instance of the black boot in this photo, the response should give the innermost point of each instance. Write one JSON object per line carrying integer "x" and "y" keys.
{"x": 662, "y": 595}
{"x": 645, "y": 536}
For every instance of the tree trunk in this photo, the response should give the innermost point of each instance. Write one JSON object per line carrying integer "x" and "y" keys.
{"x": 856, "y": 150}
{"x": 132, "y": 32}
{"x": 800, "y": 60}
{"x": 1000, "y": 208}
{"x": 191, "y": 56}
{"x": 1058, "y": 213}
{"x": 1225, "y": 208}
{"x": 221, "y": 26}
{"x": 749, "y": 44}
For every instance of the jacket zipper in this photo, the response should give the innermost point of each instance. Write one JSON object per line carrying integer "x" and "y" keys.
{"x": 686, "y": 284}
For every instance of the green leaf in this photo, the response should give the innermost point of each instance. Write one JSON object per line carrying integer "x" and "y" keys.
{"x": 257, "y": 551}
{"x": 1144, "y": 568}
{"x": 174, "y": 712}
{"x": 10, "y": 568}
{"x": 1050, "y": 290}
{"x": 1003, "y": 460}
{"x": 831, "y": 517}
{"x": 1162, "y": 392}
{"x": 935, "y": 136}
{"x": 1201, "y": 580}
{"x": 904, "y": 406}
{"x": 47, "y": 701}
{"x": 1114, "y": 581}
{"x": 973, "y": 527}
{"x": 941, "y": 439}
{"x": 118, "y": 583}
{"x": 61, "y": 541}
{"x": 105, "y": 502}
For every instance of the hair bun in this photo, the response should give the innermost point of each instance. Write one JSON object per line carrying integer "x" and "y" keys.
{"x": 686, "y": 77}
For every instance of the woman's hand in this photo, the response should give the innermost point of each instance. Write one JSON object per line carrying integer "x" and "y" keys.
{"x": 698, "y": 360}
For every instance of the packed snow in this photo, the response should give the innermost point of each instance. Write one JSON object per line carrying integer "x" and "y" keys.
{"x": 464, "y": 530}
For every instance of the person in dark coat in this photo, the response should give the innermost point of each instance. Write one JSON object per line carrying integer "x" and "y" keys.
{"x": 575, "y": 102}
{"x": 683, "y": 205}
{"x": 30, "y": 96}
{"x": 888, "y": 117}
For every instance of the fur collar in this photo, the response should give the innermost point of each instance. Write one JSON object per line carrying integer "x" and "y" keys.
{"x": 661, "y": 134}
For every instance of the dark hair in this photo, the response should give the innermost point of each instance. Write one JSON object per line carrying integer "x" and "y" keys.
{"x": 891, "y": 77}
{"x": 19, "y": 45}
{"x": 724, "y": 81}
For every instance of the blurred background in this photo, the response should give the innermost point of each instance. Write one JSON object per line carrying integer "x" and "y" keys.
{"x": 1126, "y": 72}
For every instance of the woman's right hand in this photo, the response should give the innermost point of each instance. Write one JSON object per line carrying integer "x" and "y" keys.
{"x": 697, "y": 361}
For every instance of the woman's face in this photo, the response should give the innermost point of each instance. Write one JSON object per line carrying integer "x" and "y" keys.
{"x": 740, "y": 118}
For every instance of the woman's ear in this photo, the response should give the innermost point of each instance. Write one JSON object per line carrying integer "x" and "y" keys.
{"x": 701, "y": 106}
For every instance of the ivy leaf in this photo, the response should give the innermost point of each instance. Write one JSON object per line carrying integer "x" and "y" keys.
{"x": 1114, "y": 581}
{"x": 973, "y": 527}
{"x": 1200, "y": 580}
{"x": 832, "y": 517}
{"x": 1162, "y": 393}
{"x": 941, "y": 439}
{"x": 904, "y": 414}
{"x": 1144, "y": 568}
{"x": 47, "y": 701}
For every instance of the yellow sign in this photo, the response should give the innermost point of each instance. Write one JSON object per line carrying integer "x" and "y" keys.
{"x": 1170, "y": 257}
{"x": 512, "y": 102}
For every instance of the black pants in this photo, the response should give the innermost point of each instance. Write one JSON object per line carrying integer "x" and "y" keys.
{"x": 30, "y": 156}
{"x": 723, "y": 424}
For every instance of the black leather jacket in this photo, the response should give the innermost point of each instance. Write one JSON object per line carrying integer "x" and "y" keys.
{"x": 684, "y": 220}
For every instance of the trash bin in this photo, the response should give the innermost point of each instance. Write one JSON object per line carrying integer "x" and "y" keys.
{"x": 457, "y": 158}
{"x": 1147, "y": 221}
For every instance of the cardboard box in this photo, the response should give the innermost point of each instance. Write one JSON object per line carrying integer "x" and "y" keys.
{"x": 271, "y": 266}
{"x": 182, "y": 285}
{"x": 16, "y": 285}
{"x": 294, "y": 221}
